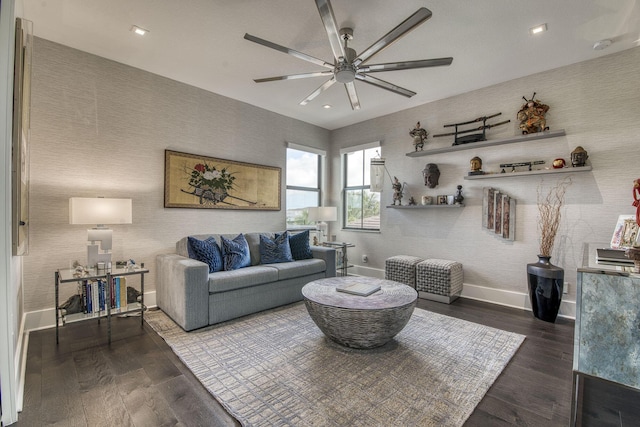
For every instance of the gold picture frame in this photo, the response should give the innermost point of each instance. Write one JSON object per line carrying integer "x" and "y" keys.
{"x": 202, "y": 182}
{"x": 625, "y": 235}
{"x": 20, "y": 135}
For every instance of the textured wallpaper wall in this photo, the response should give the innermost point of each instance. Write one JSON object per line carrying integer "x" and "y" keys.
{"x": 598, "y": 104}
{"x": 100, "y": 128}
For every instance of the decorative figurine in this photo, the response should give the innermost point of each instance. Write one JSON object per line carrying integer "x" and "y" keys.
{"x": 397, "y": 191}
{"x": 476, "y": 166}
{"x": 458, "y": 198}
{"x": 412, "y": 201}
{"x": 531, "y": 116}
{"x": 559, "y": 163}
{"x": 431, "y": 175}
{"x": 419, "y": 136}
{"x": 579, "y": 157}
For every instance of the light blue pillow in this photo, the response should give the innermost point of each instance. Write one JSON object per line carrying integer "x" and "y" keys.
{"x": 276, "y": 250}
{"x": 206, "y": 251}
{"x": 235, "y": 253}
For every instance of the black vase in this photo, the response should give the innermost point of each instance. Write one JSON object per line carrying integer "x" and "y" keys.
{"x": 546, "y": 282}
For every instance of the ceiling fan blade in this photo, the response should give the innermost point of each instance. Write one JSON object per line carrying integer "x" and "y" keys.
{"x": 353, "y": 96}
{"x": 405, "y": 26}
{"x": 406, "y": 65}
{"x": 288, "y": 51}
{"x": 329, "y": 21}
{"x": 294, "y": 76}
{"x": 385, "y": 85}
{"x": 318, "y": 91}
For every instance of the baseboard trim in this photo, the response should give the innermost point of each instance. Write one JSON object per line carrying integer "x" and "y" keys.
{"x": 482, "y": 293}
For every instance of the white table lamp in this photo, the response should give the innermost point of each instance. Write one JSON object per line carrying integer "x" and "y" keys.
{"x": 99, "y": 211}
{"x": 321, "y": 215}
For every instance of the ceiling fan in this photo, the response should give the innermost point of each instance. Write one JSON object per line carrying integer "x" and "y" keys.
{"x": 349, "y": 66}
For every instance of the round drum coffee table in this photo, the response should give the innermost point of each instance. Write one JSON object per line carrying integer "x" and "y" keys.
{"x": 359, "y": 321}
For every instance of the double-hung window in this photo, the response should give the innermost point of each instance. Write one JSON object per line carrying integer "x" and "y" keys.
{"x": 303, "y": 183}
{"x": 361, "y": 206}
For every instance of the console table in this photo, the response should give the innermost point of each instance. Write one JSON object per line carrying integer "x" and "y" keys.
{"x": 606, "y": 354}
{"x": 63, "y": 276}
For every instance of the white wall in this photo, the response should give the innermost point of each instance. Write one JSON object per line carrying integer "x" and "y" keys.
{"x": 596, "y": 102}
{"x": 100, "y": 128}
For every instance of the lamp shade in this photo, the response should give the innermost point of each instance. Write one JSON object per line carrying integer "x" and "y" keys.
{"x": 99, "y": 211}
{"x": 323, "y": 213}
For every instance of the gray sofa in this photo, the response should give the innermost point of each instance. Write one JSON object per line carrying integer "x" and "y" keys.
{"x": 195, "y": 298}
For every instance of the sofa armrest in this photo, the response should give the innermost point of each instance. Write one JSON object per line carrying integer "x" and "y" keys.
{"x": 329, "y": 257}
{"x": 182, "y": 290}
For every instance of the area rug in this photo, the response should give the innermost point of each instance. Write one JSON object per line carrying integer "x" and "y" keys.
{"x": 276, "y": 368}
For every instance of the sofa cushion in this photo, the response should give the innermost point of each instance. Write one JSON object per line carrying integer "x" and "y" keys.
{"x": 235, "y": 252}
{"x": 305, "y": 267}
{"x": 299, "y": 244}
{"x": 206, "y": 251}
{"x": 223, "y": 281}
{"x": 276, "y": 250}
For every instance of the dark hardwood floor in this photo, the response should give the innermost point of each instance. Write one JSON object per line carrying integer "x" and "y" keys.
{"x": 138, "y": 381}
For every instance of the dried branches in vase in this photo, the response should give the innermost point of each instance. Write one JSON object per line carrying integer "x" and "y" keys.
{"x": 549, "y": 209}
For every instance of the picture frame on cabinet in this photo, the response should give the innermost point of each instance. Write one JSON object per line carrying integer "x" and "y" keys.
{"x": 625, "y": 234}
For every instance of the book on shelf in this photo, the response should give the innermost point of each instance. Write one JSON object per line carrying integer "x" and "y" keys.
{"x": 359, "y": 288}
{"x": 123, "y": 292}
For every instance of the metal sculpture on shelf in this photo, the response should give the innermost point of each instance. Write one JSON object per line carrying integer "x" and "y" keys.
{"x": 532, "y": 116}
{"x": 419, "y": 136}
{"x": 476, "y": 136}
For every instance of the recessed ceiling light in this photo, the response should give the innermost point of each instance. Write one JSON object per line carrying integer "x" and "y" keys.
{"x": 538, "y": 29}
{"x": 326, "y": 106}
{"x": 139, "y": 30}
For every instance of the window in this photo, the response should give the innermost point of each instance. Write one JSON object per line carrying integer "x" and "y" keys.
{"x": 303, "y": 184}
{"x": 362, "y": 207}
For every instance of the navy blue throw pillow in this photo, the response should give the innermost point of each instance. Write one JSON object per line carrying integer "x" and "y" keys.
{"x": 206, "y": 251}
{"x": 276, "y": 250}
{"x": 299, "y": 244}
{"x": 235, "y": 253}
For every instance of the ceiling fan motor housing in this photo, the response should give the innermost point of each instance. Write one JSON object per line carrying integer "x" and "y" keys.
{"x": 345, "y": 71}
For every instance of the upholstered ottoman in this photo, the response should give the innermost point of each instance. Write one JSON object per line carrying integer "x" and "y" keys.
{"x": 439, "y": 280}
{"x": 402, "y": 268}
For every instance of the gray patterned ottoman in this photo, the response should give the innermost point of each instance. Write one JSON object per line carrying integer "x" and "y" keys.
{"x": 439, "y": 280}
{"x": 402, "y": 268}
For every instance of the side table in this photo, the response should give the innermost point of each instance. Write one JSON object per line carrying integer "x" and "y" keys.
{"x": 342, "y": 261}
{"x": 63, "y": 276}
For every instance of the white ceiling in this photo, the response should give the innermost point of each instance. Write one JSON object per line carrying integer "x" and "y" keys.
{"x": 200, "y": 42}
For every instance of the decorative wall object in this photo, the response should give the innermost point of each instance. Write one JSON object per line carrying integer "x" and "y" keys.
{"x": 499, "y": 213}
{"x": 194, "y": 181}
{"x": 473, "y": 137}
{"x": 431, "y": 175}
{"x": 20, "y": 148}
{"x": 532, "y": 116}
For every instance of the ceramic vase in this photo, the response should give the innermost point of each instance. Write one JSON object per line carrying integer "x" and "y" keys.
{"x": 546, "y": 282}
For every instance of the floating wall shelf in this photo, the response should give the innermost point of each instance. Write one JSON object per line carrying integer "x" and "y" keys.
{"x": 533, "y": 172}
{"x": 491, "y": 143}
{"x": 426, "y": 206}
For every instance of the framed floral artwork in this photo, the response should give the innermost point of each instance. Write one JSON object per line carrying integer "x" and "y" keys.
{"x": 201, "y": 182}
